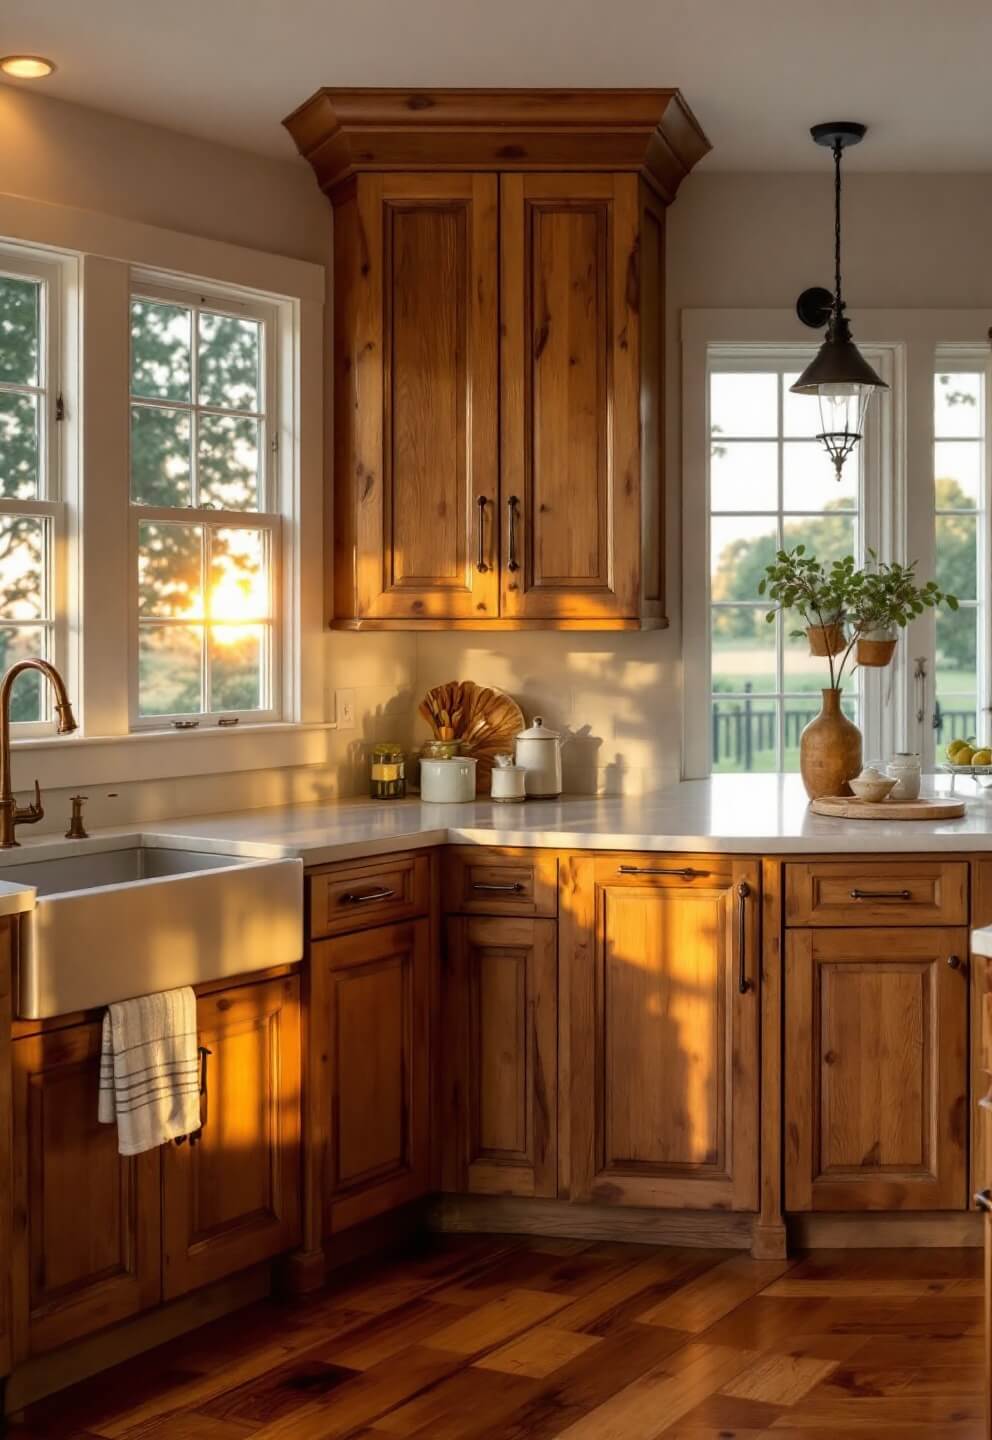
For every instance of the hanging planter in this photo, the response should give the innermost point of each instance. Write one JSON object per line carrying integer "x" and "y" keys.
{"x": 826, "y": 639}
{"x": 875, "y": 648}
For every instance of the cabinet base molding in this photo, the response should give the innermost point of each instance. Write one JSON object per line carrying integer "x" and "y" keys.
{"x": 47, "y": 1374}
{"x": 642, "y": 622}
{"x": 509, "y": 1215}
{"x": 924, "y": 1230}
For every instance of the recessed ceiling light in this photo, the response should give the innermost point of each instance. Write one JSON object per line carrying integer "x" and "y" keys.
{"x": 26, "y": 67}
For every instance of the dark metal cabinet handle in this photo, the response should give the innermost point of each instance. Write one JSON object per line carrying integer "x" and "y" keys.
{"x": 881, "y": 894}
{"x": 350, "y": 898}
{"x": 954, "y": 961}
{"x": 684, "y": 874}
{"x": 203, "y": 1054}
{"x": 515, "y": 889}
{"x": 984, "y": 1200}
{"x": 511, "y": 525}
{"x": 743, "y": 891}
{"x": 480, "y": 564}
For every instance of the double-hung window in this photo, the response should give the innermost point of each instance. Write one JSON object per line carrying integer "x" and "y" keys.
{"x": 32, "y": 536}
{"x": 205, "y": 524}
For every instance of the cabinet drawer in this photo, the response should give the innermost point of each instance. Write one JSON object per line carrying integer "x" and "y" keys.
{"x": 500, "y": 882}
{"x": 876, "y": 892}
{"x": 369, "y": 892}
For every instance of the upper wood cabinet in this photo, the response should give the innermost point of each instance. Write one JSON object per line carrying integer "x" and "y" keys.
{"x": 498, "y": 352}
{"x": 658, "y": 1061}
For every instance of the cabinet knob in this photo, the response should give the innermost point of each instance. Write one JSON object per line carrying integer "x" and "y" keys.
{"x": 954, "y": 961}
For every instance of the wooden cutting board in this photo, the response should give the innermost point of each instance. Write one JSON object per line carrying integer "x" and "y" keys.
{"x": 849, "y": 807}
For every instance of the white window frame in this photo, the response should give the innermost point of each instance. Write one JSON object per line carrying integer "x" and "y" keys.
{"x": 911, "y": 339}
{"x": 58, "y": 277}
{"x": 948, "y": 360}
{"x": 268, "y": 518}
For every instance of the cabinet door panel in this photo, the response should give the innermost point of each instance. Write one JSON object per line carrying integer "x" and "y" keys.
{"x": 372, "y": 994}
{"x": 416, "y": 404}
{"x": 875, "y": 1054}
{"x": 662, "y": 1067}
{"x": 570, "y": 391}
{"x": 232, "y": 1198}
{"x": 86, "y": 1244}
{"x": 500, "y": 1054}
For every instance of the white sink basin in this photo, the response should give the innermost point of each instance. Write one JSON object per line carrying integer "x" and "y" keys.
{"x": 110, "y": 924}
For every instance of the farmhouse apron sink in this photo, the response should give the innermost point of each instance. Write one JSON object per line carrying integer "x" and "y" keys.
{"x": 111, "y": 924}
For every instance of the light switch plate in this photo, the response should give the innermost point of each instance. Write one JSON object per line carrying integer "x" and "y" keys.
{"x": 344, "y": 709}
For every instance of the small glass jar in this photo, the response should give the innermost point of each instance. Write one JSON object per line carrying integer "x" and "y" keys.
{"x": 387, "y": 777}
{"x": 440, "y": 749}
{"x": 904, "y": 769}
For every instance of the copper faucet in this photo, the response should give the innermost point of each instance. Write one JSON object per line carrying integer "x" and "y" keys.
{"x": 12, "y": 814}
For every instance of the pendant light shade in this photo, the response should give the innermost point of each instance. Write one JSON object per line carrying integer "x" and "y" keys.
{"x": 839, "y": 375}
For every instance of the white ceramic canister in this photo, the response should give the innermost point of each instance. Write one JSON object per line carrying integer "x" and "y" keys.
{"x": 904, "y": 769}
{"x": 507, "y": 781}
{"x": 447, "y": 782}
{"x": 538, "y": 751}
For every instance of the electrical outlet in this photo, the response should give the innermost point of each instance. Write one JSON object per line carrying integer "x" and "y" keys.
{"x": 344, "y": 709}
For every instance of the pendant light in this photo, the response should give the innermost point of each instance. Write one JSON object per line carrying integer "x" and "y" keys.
{"x": 839, "y": 376}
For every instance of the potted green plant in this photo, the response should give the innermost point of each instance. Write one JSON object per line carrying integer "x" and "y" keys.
{"x": 847, "y": 612}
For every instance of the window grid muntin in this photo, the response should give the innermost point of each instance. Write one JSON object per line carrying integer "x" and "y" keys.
{"x": 781, "y": 365}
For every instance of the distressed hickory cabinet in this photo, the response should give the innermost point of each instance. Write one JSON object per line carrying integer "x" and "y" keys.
{"x": 99, "y": 1237}
{"x": 498, "y": 352}
{"x": 659, "y": 1072}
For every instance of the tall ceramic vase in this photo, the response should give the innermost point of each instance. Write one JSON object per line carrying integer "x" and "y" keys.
{"x": 830, "y": 750}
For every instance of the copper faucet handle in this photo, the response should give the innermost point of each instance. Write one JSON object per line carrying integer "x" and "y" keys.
{"x": 30, "y": 814}
{"x": 77, "y": 830}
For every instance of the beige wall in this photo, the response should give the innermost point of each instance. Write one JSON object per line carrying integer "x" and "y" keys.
{"x": 733, "y": 241}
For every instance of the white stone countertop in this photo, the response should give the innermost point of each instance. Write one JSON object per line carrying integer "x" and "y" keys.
{"x": 728, "y": 814}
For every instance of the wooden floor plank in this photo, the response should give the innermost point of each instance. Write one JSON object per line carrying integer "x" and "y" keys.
{"x": 530, "y": 1338}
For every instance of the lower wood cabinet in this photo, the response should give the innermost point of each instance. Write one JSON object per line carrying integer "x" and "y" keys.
{"x": 232, "y": 1198}
{"x": 499, "y": 1056}
{"x": 659, "y": 1065}
{"x": 370, "y": 993}
{"x": 87, "y": 1221}
{"x": 876, "y": 1070}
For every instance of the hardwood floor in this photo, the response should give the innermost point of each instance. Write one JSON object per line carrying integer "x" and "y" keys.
{"x": 504, "y": 1338}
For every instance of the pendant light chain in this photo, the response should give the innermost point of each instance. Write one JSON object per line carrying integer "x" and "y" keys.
{"x": 838, "y": 302}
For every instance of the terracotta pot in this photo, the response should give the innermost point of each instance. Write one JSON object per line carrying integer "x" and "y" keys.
{"x": 829, "y": 750}
{"x": 826, "y": 639}
{"x": 875, "y": 649}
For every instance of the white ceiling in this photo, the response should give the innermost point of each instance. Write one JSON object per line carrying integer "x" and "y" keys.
{"x": 757, "y": 72}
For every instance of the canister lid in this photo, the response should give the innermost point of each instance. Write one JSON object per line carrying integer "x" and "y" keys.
{"x": 538, "y": 731}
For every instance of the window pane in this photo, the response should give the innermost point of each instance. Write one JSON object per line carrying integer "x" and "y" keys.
{"x": 229, "y": 361}
{"x": 20, "y": 331}
{"x": 809, "y": 480}
{"x": 957, "y": 468}
{"x": 744, "y": 734}
{"x": 957, "y": 719}
{"x": 160, "y": 350}
{"x": 806, "y": 672}
{"x": 743, "y": 404}
{"x": 18, "y": 642}
{"x": 160, "y": 465}
{"x": 238, "y": 580}
{"x": 23, "y": 547}
{"x": 957, "y": 653}
{"x": 169, "y": 669}
{"x": 828, "y": 537}
{"x": 170, "y": 567}
{"x": 957, "y": 404}
{"x": 19, "y": 446}
{"x": 743, "y": 650}
{"x": 800, "y": 413}
{"x": 228, "y": 462}
{"x": 236, "y": 666}
{"x": 957, "y": 552}
{"x": 743, "y": 476}
{"x": 740, "y": 548}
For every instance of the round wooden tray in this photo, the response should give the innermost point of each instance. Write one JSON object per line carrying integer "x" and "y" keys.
{"x": 849, "y": 807}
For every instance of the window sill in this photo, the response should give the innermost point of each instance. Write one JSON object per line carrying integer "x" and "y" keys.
{"x": 61, "y": 761}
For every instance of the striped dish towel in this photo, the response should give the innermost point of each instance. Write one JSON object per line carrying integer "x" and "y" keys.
{"x": 149, "y": 1080}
